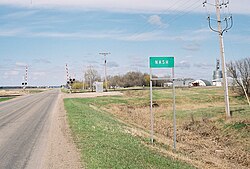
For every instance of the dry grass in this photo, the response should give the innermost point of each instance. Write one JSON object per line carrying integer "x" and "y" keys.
{"x": 204, "y": 137}
{"x": 6, "y": 93}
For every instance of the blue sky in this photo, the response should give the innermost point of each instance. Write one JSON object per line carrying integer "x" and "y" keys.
{"x": 46, "y": 35}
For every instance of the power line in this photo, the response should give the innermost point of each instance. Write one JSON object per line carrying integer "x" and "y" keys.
{"x": 183, "y": 13}
{"x": 178, "y": 15}
{"x": 170, "y": 8}
{"x": 145, "y": 26}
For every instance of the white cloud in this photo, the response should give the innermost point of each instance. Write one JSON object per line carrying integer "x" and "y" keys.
{"x": 10, "y": 32}
{"x": 21, "y": 64}
{"x": 38, "y": 73}
{"x": 146, "y": 36}
{"x": 42, "y": 61}
{"x": 112, "y": 64}
{"x": 127, "y": 5}
{"x": 237, "y": 38}
{"x": 193, "y": 46}
{"x": 203, "y": 65}
{"x": 111, "y": 34}
{"x": 11, "y": 73}
{"x": 156, "y": 20}
{"x": 18, "y": 15}
{"x": 183, "y": 64}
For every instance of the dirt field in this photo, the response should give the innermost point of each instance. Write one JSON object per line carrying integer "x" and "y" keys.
{"x": 7, "y": 93}
{"x": 18, "y": 92}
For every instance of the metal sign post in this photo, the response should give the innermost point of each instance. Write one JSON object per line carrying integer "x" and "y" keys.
{"x": 174, "y": 113}
{"x": 159, "y": 63}
{"x": 151, "y": 112}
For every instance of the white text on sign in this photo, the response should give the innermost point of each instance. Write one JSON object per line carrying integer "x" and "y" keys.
{"x": 161, "y": 62}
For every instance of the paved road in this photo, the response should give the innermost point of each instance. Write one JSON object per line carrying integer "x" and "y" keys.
{"x": 23, "y": 129}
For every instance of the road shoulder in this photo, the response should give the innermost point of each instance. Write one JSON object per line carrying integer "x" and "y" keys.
{"x": 61, "y": 151}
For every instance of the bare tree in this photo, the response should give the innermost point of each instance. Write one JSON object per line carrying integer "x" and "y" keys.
{"x": 116, "y": 81}
{"x": 91, "y": 75}
{"x": 240, "y": 72}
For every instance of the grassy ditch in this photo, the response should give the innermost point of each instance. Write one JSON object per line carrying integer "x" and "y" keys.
{"x": 205, "y": 138}
{"x": 5, "y": 98}
{"x": 104, "y": 142}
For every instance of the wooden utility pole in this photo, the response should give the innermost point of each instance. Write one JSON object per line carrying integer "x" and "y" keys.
{"x": 105, "y": 68}
{"x": 229, "y": 23}
{"x": 223, "y": 62}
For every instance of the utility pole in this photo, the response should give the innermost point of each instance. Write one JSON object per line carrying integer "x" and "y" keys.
{"x": 83, "y": 80}
{"x": 228, "y": 25}
{"x": 105, "y": 68}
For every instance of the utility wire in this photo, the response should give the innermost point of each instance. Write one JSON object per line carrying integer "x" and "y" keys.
{"x": 147, "y": 25}
{"x": 181, "y": 14}
{"x": 173, "y": 19}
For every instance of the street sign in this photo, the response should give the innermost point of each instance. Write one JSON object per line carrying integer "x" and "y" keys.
{"x": 161, "y": 62}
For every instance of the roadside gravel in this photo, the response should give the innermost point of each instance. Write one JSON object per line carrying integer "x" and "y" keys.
{"x": 61, "y": 152}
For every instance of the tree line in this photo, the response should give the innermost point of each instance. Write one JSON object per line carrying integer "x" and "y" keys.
{"x": 238, "y": 70}
{"x": 130, "y": 79}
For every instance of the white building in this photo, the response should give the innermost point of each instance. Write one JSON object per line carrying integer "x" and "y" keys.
{"x": 200, "y": 82}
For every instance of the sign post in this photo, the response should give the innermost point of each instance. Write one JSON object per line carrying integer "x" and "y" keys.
{"x": 161, "y": 62}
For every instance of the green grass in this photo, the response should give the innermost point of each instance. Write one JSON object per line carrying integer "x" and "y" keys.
{"x": 35, "y": 91}
{"x": 237, "y": 125}
{"x": 105, "y": 144}
{"x": 103, "y": 141}
{"x": 5, "y": 98}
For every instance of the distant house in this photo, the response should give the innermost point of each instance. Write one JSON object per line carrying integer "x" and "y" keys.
{"x": 200, "y": 82}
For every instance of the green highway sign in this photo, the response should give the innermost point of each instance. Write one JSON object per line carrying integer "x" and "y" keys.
{"x": 161, "y": 62}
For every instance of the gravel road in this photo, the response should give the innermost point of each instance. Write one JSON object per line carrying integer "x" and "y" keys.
{"x": 34, "y": 133}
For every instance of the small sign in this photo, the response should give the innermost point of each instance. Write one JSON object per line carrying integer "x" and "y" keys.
{"x": 161, "y": 62}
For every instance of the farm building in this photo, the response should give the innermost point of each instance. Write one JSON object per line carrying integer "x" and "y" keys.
{"x": 180, "y": 82}
{"x": 200, "y": 82}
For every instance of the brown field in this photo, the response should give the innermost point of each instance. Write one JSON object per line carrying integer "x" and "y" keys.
{"x": 205, "y": 138}
{"x": 18, "y": 92}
